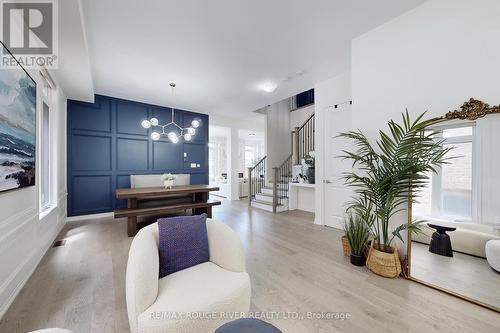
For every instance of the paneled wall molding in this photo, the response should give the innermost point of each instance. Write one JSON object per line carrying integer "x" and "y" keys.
{"x": 106, "y": 144}
{"x": 13, "y": 223}
{"x": 9, "y": 288}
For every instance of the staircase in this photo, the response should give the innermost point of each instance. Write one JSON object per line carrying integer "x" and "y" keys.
{"x": 270, "y": 192}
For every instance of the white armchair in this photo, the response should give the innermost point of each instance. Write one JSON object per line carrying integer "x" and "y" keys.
{"x": 168, "y": 305}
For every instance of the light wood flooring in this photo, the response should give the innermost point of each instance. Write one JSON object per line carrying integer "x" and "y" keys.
{"x": 295, "y": 266}
{"x": 464, "y": 274}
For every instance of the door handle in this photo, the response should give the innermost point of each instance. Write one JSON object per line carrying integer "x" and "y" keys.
{"x": 326, "y": 181}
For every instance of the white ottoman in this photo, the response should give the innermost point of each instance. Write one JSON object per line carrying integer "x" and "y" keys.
{"x": 492, "y": 249}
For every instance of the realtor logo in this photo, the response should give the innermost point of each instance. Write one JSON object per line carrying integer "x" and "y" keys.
{"x": 29, "y": 31}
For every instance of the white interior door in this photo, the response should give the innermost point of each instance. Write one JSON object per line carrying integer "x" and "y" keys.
{"x": 336, "y": 193}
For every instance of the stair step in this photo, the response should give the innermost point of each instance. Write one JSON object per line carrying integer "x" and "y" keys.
{"x": 267, "y": 190}
{"x": 271, "y": 195}
{"x": 268, "y": 206}
{"x": 264, "y": 202}
{"x": 269, "y": 198}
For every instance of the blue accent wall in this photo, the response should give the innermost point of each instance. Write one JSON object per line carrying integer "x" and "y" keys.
{"x": 106, "y": 144}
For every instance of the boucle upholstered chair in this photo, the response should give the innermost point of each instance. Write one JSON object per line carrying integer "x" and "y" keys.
{"x": 493, "y": 254}
{"x": 220, "y": 286}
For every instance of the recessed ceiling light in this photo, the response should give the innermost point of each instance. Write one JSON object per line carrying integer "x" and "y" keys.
{"x": 268, "y": 86}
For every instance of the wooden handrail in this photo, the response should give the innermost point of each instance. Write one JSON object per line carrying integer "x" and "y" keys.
{"x": 305, "y": 122}
{"x": 256, "y": 178}
{"x": 284, "y": 171}
{"x": 304, "y": 138}
{"x": 285, "y": 162}
{"x": 259, "y": 162}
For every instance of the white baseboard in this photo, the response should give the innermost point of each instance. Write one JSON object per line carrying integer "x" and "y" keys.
{"x": 89, "y": 217}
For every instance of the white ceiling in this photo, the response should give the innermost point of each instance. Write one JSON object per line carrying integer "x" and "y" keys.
{"x": 219, "y": 51}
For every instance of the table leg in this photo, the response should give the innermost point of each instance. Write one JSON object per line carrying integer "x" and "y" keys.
{"x": 201, "y": 197}
{"x": 132, "y": 220}
{"x": 203, "y": 210}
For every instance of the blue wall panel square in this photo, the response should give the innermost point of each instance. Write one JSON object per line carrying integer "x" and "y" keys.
{"x": 167, "y": 156}
{"x": 90, "y": 117}
{"x": 91, "y": 194}
{"x": 195, "y": 153}
{"x": 164, "y": 114}
{"x": 132, "y": 154}
{"x": 90, "y": 153}
{"x": 199, "y": 178}
{"x": 129, "y": 117}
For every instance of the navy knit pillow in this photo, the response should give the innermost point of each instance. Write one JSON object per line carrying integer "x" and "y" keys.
{"x": 183, "y": 243}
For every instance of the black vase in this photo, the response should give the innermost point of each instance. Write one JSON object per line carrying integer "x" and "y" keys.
{"x": 310, "y": 175}
{"x": 358, "y": 259}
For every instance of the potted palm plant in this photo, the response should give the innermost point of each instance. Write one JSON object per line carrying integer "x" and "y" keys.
{"x": 386, "y": 177}
{"x": 357, "y": 233}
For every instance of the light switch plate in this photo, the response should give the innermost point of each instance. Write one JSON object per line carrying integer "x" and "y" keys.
{"x": 198, "y": 166}
{"x": 185, "y": 154}
{"x": 193, "y": 165}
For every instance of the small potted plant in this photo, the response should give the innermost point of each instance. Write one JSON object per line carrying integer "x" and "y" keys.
{"x": 357, "y": 233}
{"x": 302, "y": 178}
{"x": 168, "y": 180}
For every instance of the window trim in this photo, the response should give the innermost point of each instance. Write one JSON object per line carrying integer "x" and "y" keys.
{"x": 46, "y": 98}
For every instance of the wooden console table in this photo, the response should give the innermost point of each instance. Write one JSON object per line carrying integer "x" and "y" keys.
{"x": 198, "y": 202}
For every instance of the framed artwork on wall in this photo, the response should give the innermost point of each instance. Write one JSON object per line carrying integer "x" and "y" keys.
{"x": 17, "y": 127}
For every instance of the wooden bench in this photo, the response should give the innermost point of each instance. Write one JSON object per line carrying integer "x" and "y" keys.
{"x": 199, "y": 207}
{"x": 197, "y": 196}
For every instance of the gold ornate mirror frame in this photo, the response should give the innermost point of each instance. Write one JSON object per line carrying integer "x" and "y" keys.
{"x": 470, "y": 110}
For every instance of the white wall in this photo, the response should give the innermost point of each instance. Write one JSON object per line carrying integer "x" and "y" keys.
{"x": 255, "y": 122}
{"x": 433, "y": 58}
{"x": 24, "y": 234}
{"x": 298, "y": 117}
{"x": 278, "y": 136}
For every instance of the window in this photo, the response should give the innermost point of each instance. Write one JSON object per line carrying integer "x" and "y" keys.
{"x": 450, "y": 191}
{"x": 47, "y": 161}
{"x": 249, "y": 156}
{"x": 45, "y": 176}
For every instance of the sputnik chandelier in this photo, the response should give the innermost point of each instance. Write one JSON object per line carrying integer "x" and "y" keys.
{"x": 174, "y": 135}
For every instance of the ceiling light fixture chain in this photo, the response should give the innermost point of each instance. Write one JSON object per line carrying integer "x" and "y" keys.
{"x": 184, "y": 132}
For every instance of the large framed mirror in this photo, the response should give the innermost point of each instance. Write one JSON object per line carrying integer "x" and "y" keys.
{"x": 458, "y": 249}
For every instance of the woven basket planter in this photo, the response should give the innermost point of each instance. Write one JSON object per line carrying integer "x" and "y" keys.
{"x": 345, "y": 246}
{"x": 383, "y": 263}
